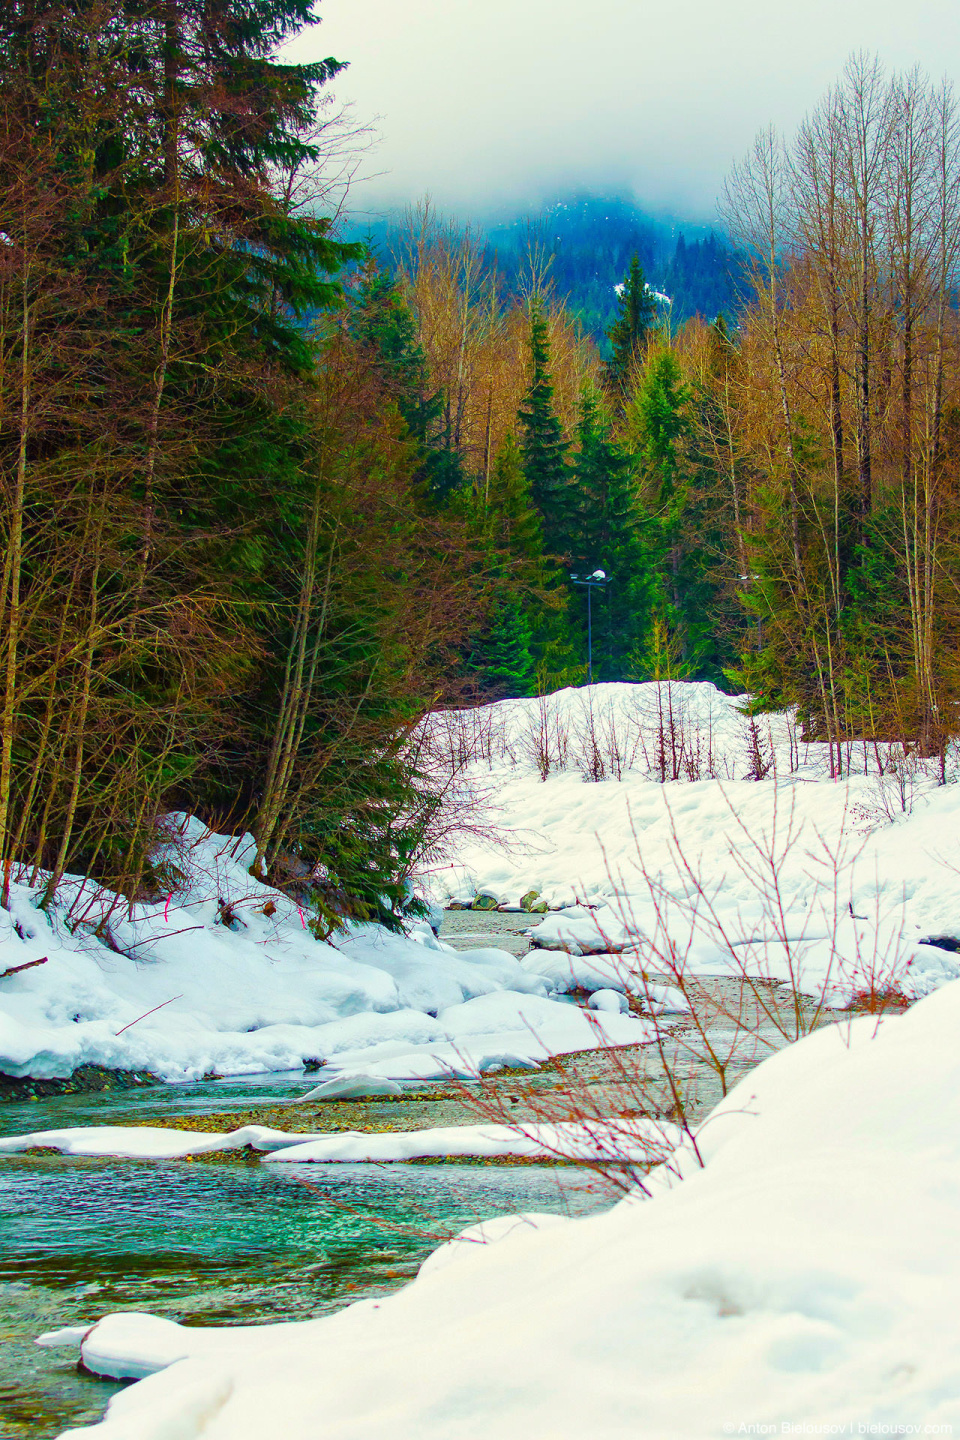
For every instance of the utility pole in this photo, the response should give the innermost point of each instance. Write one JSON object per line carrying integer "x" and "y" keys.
{"x": 597, "y": 581}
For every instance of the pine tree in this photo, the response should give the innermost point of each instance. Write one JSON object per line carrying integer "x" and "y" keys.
{"x": 542, "y": 444}
{"x": 381, "y": 320}
{"x": 629, "y": 333}
{"x": 609, "y": 538}
{"x": 502, "y": 656}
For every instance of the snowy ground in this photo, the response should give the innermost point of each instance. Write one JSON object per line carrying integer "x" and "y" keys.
{"x": 789, "y": 1268}
{"x": 803, "y": 1277}
{"x": 224, "y": 977}
{"x": 613, "y": 1139}
{"x": 827, "y": 885}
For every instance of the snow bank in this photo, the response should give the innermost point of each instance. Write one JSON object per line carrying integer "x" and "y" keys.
{"x": 224, "y": 977}
{"x": 795, "y": 878}
{"x": 805, "y": 1277}
{"x": 629, "y": 1140}
{"x": 827, "y": 885}
{"x": 148, "y": 1142}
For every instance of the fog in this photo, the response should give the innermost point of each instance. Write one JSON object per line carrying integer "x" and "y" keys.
{"x": 483, "y": 103}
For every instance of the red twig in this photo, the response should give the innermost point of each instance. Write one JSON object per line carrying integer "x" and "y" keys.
{"x": 15, "y": 969}
{"x": 145, "y": 1013}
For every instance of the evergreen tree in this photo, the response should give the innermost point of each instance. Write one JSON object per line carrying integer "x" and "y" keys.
{"x": 502, "y": 657}
{"x": 215, "y": 502}
{"x": 608, "y": 537}
{"x": 629, "y": 333}
{"x": 511, "y": 520}
{"x": 382, "y": 322}
{"x": 678, "y": 433}
{"x": 542, "y": 444}
{"x": 658, "y": 424}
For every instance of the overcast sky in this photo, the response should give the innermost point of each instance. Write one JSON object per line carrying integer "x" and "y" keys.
{"x": 489, "y": 101}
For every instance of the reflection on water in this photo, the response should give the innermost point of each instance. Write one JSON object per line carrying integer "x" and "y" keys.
{"x": 236, "y": 1243}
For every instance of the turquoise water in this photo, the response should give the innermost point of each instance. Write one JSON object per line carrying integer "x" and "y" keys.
{"x": 236, "y": 1243}
{"x": 142, "y": 1106}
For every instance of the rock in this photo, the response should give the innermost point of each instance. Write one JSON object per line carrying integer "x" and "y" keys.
{"x": 609, "y": 1002}
{"x": 85, "y": 1080}
{"x": 485, "y": 902}
{"x": 539, "y": 907}
{"x": 527, "y": 901}
{"x": 460, "y": 905}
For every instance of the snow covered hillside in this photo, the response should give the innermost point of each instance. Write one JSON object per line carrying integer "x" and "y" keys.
{"x": 804, "y": 1278}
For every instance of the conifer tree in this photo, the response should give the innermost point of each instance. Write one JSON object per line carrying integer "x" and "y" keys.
{"x": 502, "y": 656}
{"x": 629, "y": 333}
{"x": 681, "y": 531}
{"x": 510, "y": 517}
{"x": 542, "y": 444}
{"x": 382, "y": 322}
{"x": 608, "y": 537}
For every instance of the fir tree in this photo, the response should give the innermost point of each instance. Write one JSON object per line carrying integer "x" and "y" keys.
{"x": 502, "y": 656}
{"x": 608, "y": 538}
{"x": 683, "y": 532}
{"x": 542, "y": 444}
{"x": 381, "y": 320}
{"x": 629, "y": 333}
{"x": 510, "y": 517}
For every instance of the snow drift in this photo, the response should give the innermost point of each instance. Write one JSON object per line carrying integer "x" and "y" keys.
{"x": 804, "y": 1278}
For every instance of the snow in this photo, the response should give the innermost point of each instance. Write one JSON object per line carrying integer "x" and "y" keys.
{"x": 225, "y": 977}
{"x": 827, "y": 885}
{"x": 147, "y": 1142}
{"x": 830, "y": 887}
{"x": 790, "y": 1268}
{"x": 603, "y": 1139}
{"x": 804, "y": 1277}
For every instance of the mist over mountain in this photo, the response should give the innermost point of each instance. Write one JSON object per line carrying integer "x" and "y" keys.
{"x": 585, "y": 244}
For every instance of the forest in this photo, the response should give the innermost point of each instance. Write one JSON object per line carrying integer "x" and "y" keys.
{"x": 588, "y": 242}
{"x": 269, "y": 496}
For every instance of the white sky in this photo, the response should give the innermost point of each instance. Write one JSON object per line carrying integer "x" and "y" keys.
{"x": 489, "y": 101}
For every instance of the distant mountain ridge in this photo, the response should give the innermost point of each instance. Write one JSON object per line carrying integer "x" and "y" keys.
{"x": 590, "y": 241}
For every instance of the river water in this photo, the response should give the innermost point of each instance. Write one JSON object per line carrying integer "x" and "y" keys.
{"x": 235, "y": 1242}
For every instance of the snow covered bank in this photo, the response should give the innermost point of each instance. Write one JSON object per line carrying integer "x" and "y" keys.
{"x": 620, "y": 1141}
{"x": 793, "y": 877}
{"x": 224, "y": 977}
{"x": 804, "y": 1277}
{"x": 827, "y": 885}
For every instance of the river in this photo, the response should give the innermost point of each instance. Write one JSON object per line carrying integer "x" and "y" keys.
{"x": 229, "y": 1242}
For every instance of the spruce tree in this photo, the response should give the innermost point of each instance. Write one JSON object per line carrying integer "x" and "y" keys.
{"x": 502, "y": 656}
{"x": 659, "y": 422}
{"x": 511, "y": 519}
{"x": 609, "y": 538}
{"x": 629, "y": 333}
{"x": 542, "y": 444}
{"x": 382, "y": 322}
